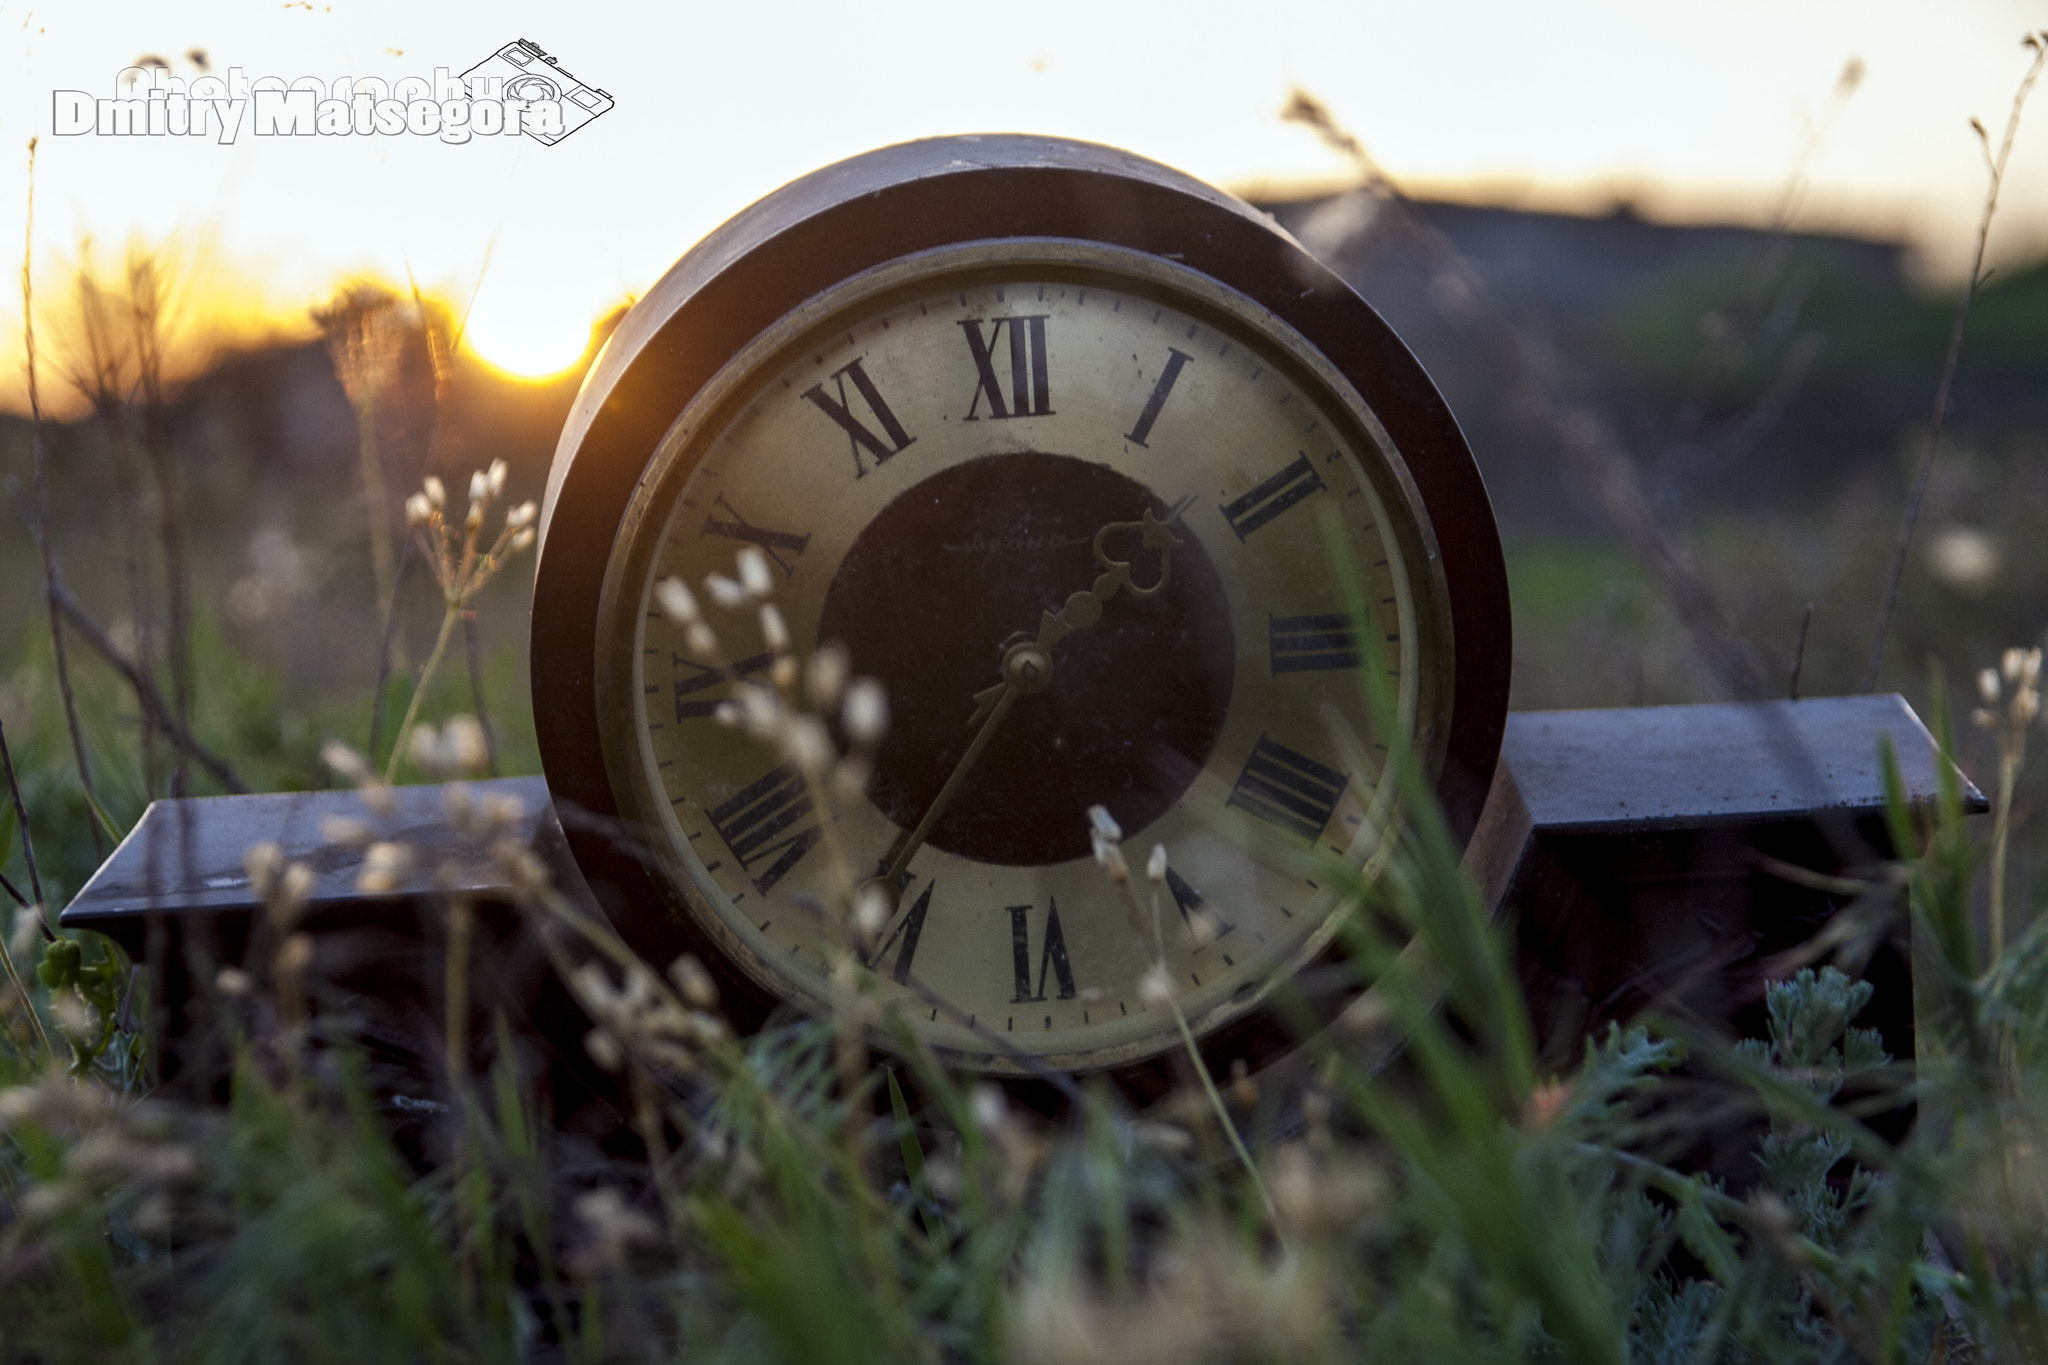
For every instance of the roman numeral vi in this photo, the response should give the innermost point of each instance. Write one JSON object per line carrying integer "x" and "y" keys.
{"x": 1053, "y": 955}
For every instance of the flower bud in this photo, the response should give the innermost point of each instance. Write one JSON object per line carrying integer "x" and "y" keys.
{"x": 754, "y": 575}
{"x": 676, "y": 600}
{"x": 479, "y": 487}
{"x": 724, "y": 591}
{"x": 1987, "y": 686}
{"x": 1155, "y": 866}
{"x": 418, "y": 510}
{"x": 774, "y": 630}
{"x": 437, "y": 492}
{"x": 521, "y": 516}
{"x": 495, "y": 479}
{"x": 865, "y": 712}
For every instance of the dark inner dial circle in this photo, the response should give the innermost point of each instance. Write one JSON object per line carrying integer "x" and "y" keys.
{"x": 960, "y": 567}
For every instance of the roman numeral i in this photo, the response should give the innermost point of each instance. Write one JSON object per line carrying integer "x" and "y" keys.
{"x": 859, "y": 436}
{"x": 1030, "y": 380}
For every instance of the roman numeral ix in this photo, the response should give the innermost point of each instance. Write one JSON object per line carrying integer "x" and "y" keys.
{"x": 1287, "y": 790}
{"x": 703, "y": 677}
{"x": 1030, "y": 381}
{"x": 1053, "y": 955}
{"x": 859, "y": 436}
{"x": 1272, "y": 497}
{"x": 766, "y": 822}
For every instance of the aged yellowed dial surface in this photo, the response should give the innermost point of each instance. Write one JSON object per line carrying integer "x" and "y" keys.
{"x": 1070, "y": 509}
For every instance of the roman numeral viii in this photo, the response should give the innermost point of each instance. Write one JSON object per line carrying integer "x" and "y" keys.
{"x": 1287, "y": 790}
{"x": 1030, "y": 381}
{"x": 766, "y": 823}
{"x": 1272, "y": 497}
{"x": 1308, "y": 644}
{"x": 860, "y": 436}
{"x": 1053, "y": 954}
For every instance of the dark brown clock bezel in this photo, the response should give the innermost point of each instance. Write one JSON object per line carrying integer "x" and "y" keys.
{"x": 862, "y": 213}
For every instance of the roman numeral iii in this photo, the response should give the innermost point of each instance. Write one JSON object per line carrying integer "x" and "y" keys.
{"x": 1030, "y": 381}
{"x": 766, "y": 824}
{"x": 859, "y": 436}
{"x": 1307, "y": 644}
{"x": 1287, "y": 790}
{"x": 1052, "y": 955}
{"x": 1272, "y": 497}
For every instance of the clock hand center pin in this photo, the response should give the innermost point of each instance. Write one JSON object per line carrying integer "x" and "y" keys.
{"x": 1028, "y": 667}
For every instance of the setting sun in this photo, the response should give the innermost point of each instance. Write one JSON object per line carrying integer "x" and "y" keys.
{"x": 531, "y": 334}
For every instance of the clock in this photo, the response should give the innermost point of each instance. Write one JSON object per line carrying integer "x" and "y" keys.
{"x": 1119, "y": 494}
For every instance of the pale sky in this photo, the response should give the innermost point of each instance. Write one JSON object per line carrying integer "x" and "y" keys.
{"x": 1691, "y": 110}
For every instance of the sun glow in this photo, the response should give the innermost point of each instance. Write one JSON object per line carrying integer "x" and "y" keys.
{"x": 531, "y": 334}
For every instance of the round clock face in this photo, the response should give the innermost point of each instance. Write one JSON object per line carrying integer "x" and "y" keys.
{"x": 1109, "y": 533}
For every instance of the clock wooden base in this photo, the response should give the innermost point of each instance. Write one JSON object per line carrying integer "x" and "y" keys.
{"x": 1639, "y": 853}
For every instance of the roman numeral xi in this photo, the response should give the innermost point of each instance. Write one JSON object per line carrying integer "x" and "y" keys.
{"x": 859, "y": 435}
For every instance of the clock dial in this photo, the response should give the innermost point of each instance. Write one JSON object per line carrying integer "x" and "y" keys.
{"x": 933, "y": 457}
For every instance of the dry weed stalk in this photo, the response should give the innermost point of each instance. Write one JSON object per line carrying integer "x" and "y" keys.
{"x": 1594, "y": 451}
{"x": 462, "y": 565}
{"x": 35, "y": 408}
{"x": 366, "y": 336}
{"x": 2012, "y": 702}
{"x": 2036, "y": 43}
